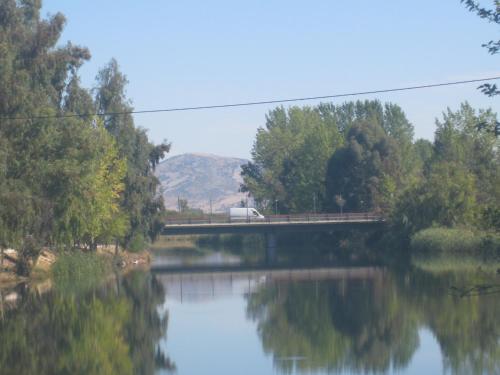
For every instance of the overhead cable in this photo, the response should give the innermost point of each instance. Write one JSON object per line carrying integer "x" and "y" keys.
{"x": 261, "y": 102}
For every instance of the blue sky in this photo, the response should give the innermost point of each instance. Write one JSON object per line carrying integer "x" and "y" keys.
{"x": 189, "y": 53}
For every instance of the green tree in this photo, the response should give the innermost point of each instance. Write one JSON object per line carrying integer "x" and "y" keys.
{"x": 365, "y": 170}
{"x": 142, "y": 203}
{"x": 290, "y": 156}
{"x": 446, "y": 197}
{"x": 66, "y": 179}
{"x": 423, "y": 150}
{"x": 103, "y": 218}
{"x": 33, "y": 82}
{"x": 458, "y": 138}
{"x": 461, "y": 176}
{"x": 289, "y": 159}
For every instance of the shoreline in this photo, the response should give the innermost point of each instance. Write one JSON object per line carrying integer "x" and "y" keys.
{"x": 40, "y": 278}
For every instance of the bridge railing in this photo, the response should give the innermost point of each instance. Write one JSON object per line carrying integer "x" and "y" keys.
{"x": 309, "y": 217}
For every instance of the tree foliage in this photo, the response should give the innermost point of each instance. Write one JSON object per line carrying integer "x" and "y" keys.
{"x": 141, "y": 202}
{"x": 364, "y": 153}
{"x": 364, "y": 170}
{"x": 290, "y": 157}
{"x": 461, "y": 179}
{"x": 292, "y": 153}
{"x": 67, "y": 180}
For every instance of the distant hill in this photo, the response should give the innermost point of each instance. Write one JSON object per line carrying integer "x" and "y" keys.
{"x": 199, "y": 177}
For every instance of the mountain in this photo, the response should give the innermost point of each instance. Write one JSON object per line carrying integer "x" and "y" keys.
{"x": 199, "y": 178}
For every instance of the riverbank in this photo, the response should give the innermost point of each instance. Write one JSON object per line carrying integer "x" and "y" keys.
{"x": 458, "y": 241}
{"x": 40, "y": 271}
{"x": 76, "y": 264}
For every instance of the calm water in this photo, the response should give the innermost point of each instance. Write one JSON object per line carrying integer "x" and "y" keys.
{"x": 302, "y": 320}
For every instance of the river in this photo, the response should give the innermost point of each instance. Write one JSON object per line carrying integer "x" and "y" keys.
{"x": 215, "y": 313}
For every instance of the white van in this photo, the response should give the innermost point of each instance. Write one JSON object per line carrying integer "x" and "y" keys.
{"x": 245, "y": 213}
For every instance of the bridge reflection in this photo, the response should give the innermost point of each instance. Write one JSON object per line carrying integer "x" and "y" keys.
{"x": 197, "y": 285}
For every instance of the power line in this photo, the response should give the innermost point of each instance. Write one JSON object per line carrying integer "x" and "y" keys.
{"x": 262, "y": 102}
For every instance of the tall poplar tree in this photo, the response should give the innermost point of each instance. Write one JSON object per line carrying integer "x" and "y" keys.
{"x": 141, "y": 201}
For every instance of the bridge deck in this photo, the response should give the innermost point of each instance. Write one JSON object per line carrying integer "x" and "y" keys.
{"x": 272, "y": 223}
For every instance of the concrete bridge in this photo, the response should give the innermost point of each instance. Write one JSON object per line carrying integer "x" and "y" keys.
{"x": 275, "y": 224}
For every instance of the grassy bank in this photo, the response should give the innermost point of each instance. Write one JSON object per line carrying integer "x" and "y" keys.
{"x": 79, "y": 270}
{"x": 458, "y": 241}
{"x": 456, "y": 249}
{"x": 73, "y": 268}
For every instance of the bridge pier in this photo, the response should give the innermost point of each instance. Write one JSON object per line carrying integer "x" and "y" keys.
{"x": 270, "y": 247}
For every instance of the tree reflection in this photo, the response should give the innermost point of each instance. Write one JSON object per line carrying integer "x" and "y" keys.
{"x": 467, "y": 329}
{"x": 333, "y": 325}
{"x": 372, "y": 325}
{"x": 146, "y": 326}
{"x": 110, "y": 331}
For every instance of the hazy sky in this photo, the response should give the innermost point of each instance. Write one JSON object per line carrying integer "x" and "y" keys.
{"x": 190, "y": 53}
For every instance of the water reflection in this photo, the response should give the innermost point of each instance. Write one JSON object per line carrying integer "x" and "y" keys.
{"x": 113, "y": 330}
{"x": 373, "y": 325}
{"x": 209, "y": 286}
{"x": 310, "y": 320}
{"x": 333, "y": 325}
{"x": 467, "y": 329}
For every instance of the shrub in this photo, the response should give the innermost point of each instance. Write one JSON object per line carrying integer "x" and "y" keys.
{"x": 78, "y": 270}
{"x": 454, "y": 240}
{"x": 137, "y": 243}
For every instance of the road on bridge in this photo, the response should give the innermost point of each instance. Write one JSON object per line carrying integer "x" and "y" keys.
{"x": 275, "y": 223}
